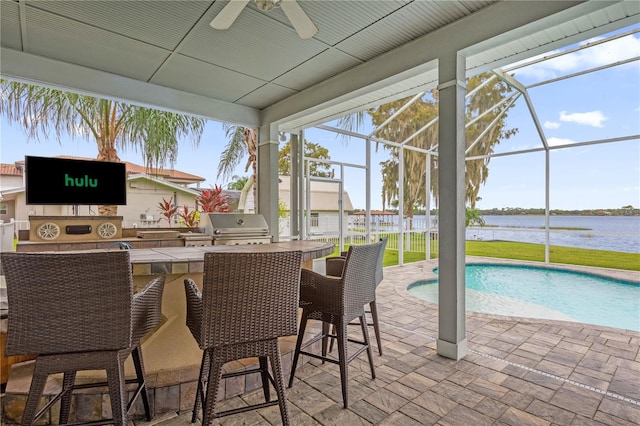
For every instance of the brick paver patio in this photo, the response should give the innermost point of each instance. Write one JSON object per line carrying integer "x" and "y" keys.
{"x": 518, "y": 372}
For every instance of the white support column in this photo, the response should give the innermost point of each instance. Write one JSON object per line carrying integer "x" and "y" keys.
{"x": 294, "y": 202}
{"x": 268, "y": 177}
{"x": 367, "y": 174}
{"x": 401, "y": 206}
{"x": 452, "y": 340}
{"x": 427, "y": 213}
{"x": 547, "y": 191}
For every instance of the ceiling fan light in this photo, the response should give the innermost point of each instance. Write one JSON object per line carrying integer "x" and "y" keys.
{"x": 266, "y": 5}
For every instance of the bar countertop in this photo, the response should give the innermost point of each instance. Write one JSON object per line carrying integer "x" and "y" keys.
{"x": 183, "y": 260}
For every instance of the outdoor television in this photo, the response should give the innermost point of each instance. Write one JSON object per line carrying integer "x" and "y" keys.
{"x": 66, "y": 181}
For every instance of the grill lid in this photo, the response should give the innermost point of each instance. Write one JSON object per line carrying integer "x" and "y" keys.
{"x": 237, "y": 224}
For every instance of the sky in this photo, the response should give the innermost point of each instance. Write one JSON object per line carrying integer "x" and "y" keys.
{"x": 599, "y": 105}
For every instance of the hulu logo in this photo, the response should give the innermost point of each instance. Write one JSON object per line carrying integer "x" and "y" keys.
{"x": 80, "y": 182}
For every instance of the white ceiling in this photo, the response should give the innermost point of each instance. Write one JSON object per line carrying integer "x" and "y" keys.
{"x": 165, "y": 54}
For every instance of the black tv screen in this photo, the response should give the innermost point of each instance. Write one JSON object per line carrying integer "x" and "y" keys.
{"x": 66, "y": 181}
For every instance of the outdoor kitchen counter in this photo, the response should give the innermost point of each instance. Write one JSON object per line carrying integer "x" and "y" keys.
{"x": 171, "y": 351}
{"x": 182, "y": 260}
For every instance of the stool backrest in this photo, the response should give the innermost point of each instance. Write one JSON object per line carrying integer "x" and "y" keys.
{"x": 68, "y": 302}
{"x": 249, "y": 296}
{"x": 380, "y": 262}
{"x": 359, "y": 275}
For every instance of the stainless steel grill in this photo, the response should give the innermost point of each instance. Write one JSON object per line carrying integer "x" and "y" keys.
{"x": 236, "y": 228}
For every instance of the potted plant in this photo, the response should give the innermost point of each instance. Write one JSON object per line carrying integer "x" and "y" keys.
{"x": 167, "y": 210}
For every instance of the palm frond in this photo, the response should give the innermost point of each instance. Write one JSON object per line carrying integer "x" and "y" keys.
{"x": 351, "y": 123}
{"x": 234, "y": 151}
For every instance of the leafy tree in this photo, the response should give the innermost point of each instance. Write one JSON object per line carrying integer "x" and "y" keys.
{"x": 312, "y": 150}
{"x": 112, "y": 124}
{"x": 424, "y": 111}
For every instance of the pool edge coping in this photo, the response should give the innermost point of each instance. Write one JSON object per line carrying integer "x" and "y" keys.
{"x": 401, "y": 288}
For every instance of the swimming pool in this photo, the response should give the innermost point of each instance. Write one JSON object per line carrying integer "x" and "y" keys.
{"x": 537, "y": 292}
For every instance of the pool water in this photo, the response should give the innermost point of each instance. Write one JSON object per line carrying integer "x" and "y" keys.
{"x": 537, "y": 292}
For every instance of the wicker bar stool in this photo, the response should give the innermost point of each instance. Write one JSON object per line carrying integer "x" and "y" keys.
{"x": 334, "y": 267}
{"x": 77, "y": 311}
{"x": 248, "y": 300}
{"x": 337, "y": 301}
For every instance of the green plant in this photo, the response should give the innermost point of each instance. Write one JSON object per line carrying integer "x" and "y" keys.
{"x": 473, "y": 217}
{"x": 212, "y": 200}
{"x": 167, "y": 210}
{"x": 283, "y": 209}
{"x": 189, "y": 219}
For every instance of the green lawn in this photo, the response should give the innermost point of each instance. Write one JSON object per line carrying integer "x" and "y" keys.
{"x": 533, "y": 252}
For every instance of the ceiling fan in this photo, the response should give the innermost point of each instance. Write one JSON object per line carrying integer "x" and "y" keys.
{"x": 299, "y": 19}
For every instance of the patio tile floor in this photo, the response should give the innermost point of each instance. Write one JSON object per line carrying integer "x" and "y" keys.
{"x": 518, "y": 372}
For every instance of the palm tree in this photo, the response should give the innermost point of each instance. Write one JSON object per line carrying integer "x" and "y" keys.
{"x": 242, "y": 142}
{"x": 237, "y": 182}
{"x": 112, "y": 124}
{"x": 472, "y": 216}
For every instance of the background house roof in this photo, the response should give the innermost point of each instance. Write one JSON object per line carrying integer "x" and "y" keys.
{"x": 172, "y": 175}
{"x": 169, "y": 174}
{"x": 10, "y": 170}
{"x": 164, "y": 182}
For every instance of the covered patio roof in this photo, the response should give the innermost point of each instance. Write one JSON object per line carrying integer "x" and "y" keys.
{"x": 165, "y": 54}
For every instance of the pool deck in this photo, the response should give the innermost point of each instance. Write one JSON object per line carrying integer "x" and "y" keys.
{"x": 518, "y": 371}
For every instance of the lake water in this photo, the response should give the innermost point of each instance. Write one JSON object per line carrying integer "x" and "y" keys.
{"x": 613, "y": 233}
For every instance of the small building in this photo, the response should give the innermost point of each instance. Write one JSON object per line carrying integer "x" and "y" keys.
{"x": 324, "y": 206}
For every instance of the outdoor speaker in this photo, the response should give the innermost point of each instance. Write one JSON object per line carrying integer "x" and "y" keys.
{"x": 78, "y": 229}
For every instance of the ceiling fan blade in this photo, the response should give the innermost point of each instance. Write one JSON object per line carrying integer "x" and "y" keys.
{"x": 300, "y": 20}
{"x": 228, "y": 14}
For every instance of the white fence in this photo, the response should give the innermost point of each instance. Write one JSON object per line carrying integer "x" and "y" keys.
{"x": 414, "y": 240}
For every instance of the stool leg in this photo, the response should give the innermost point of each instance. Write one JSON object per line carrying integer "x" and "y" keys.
{"x": 296, "y": 353}
{"x": 117, "y": 389}
{"x": 365, "y": 335}
{"x": 142, "y": 381}
{"x": 276, "y": 368}
{"x": 264, "y": 372}
{"x": 376, "y": 327}
{"x": 325, "y": 338}
{"x": 68, "y": 380}
{"x": 341, "y": 327}
{"x": 215, "y": 375}
{"x": 202, "y": 380}
{"x": 331, "y": 344}
{"x": 35, "y": 393}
